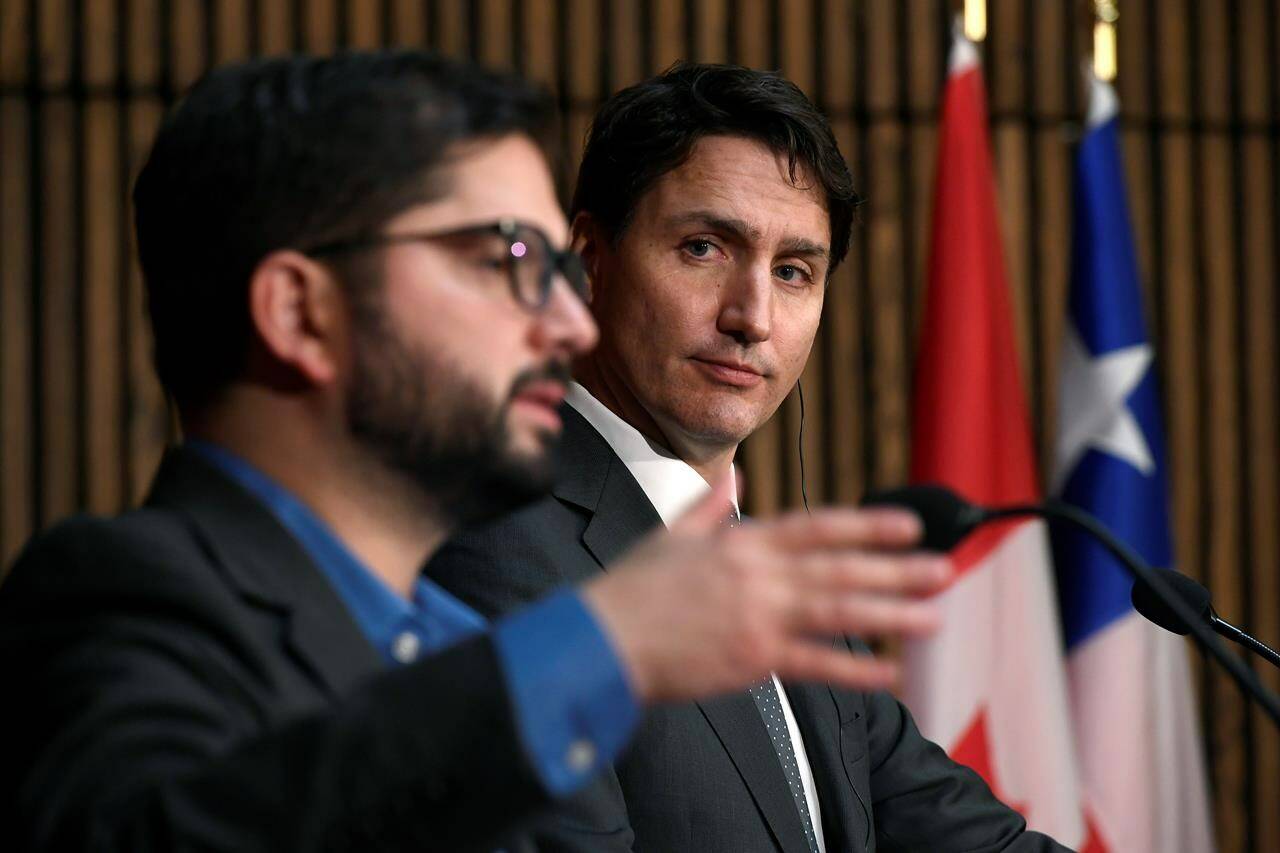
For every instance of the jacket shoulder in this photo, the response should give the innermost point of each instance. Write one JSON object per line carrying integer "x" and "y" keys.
{"x": 147, "y": 555}
{"x": 517, "y": 558}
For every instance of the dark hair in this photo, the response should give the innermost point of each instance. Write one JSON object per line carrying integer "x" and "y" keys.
{"x": 649, "y": 129}
{"x": 291, "y": 152}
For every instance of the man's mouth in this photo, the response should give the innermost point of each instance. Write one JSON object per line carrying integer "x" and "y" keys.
{"x": 541, "y": 399}
{"x": 729, "y": 371}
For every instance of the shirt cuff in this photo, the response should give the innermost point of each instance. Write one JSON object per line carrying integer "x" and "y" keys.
{"x": 573, "y": 706}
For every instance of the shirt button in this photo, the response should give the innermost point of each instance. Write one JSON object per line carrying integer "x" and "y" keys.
{"x": 405, "y": 647}
{"x": 581, "y": 756}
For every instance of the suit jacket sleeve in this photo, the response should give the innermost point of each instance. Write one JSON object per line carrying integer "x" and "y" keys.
{"x": 923, "y": 800}
{"x": 501, "y": 566}
{"x": 135, "y": 720}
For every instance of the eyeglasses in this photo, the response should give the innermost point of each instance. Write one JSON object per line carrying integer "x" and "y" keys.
{"x": 529, "y": 259}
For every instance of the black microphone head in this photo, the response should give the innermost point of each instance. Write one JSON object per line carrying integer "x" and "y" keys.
{"x": 947, "y": 517}
{"x": 1191, "y": 594}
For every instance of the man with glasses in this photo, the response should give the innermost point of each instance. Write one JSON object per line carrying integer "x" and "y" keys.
{"x": 363, "y": 311}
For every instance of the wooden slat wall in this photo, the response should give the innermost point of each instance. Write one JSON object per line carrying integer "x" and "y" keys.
{"x": 83, "y": 84}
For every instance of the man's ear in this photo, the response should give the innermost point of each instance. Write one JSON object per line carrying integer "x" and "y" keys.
{"x": 586, "y": 236}
{"x": 297, "y": 309}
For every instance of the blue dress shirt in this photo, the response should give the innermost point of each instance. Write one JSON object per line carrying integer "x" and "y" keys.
{"x": 573, "y": 706}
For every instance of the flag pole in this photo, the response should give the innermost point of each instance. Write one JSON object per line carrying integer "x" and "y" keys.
{"x": 1106, "y": 13}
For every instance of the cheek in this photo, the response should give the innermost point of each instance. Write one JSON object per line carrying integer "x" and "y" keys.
{"x": 471, "y": 333}
{"x": 657, "y": 316}
{"x": 797, "y": 334}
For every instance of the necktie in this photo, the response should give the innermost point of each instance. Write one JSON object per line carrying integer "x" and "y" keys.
{"x": 770, "y": 706}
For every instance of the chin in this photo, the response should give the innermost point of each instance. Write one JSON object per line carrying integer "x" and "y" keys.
{"x": 718, "y": 420}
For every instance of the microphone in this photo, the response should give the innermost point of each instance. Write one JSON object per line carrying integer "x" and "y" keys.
{"x": 1196, "y": 597}
{"x": 948, "y": 518}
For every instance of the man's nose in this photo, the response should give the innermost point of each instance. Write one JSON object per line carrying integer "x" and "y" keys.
{"x": 746, "y": 308}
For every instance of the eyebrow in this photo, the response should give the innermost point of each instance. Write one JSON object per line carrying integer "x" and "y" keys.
{"x": 740, "y": 230}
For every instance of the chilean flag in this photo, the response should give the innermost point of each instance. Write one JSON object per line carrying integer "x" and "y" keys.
{"x": 991, "y": 685}
{"x": 1129, "y": 685}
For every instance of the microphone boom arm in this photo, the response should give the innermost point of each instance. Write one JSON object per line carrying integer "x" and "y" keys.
{"x": 1244, "y": 677}
{"x": 1225, "y": 629}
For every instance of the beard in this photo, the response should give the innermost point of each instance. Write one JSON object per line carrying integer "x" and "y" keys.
{"x": 423, "y": 417}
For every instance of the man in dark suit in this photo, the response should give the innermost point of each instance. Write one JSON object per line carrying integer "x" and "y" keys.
{"x": 363, "y": 313}
{"x": 711, "y": 206}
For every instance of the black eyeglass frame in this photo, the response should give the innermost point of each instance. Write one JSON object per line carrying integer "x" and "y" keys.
{"x": 567, "y": 262}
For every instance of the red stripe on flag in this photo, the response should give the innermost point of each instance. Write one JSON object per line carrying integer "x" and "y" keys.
{"x": 970, "y": 428}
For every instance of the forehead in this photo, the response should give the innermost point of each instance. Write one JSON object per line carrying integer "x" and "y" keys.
{"x": 488, "y": 180}
{"x": 742, "y": 179}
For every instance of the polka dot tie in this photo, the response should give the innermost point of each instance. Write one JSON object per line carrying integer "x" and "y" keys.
{"x": 770, "y": 706}
{"x": 766, "y": 696}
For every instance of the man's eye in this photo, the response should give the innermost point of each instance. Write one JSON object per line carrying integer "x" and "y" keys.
{"x": 698, "y": 248}
{"x": 792, "y": 274}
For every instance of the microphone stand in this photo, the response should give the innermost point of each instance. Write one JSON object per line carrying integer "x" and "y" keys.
{"x": 1223, "y": 628}
{"x": 1246, "y": 678}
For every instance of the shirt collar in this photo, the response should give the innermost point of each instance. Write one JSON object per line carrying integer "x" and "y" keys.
{"x": 669, "y": 482}
{"x": 434, "y": 617}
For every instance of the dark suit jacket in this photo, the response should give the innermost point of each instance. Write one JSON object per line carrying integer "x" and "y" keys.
{"x": 183, "y": 677}
{"x": 705, "y": 777}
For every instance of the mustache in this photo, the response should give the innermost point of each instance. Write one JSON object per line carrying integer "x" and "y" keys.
{"x": 556, "y": 370}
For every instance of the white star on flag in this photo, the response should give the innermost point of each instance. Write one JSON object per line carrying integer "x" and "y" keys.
{"x": 1092, "y": 412}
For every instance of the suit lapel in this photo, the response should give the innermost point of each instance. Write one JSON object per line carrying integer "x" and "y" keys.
{"x": 736, "y": 721}
{"x": 845, "y": 819}
{"x": 269, "y": 569}
{"x": 590, "y": 475}
{"x": 623, "y": 516}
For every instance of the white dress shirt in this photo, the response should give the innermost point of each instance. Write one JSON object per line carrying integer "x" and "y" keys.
{"x": 672, "y": 486}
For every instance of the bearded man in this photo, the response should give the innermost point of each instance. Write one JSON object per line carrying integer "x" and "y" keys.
{"x": 363, "y": 306}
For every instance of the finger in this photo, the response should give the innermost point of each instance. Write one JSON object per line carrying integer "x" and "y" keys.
{"x": 862, "y": 571}
{"x": 709, "y": 513}
{"x": 807, "y": 660}
{"x": 864, "y": 615}
{"x": 846, "y": 528}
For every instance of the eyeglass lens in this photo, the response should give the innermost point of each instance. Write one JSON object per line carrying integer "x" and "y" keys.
{"x": 534, "y": 264}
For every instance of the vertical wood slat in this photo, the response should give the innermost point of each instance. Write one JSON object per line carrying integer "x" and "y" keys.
{"x": 274, "y": 26}
{"x": 1260, "y": 102}
{"x": 1261, "y": 354}
{"x": 711, "y": 23}
{"x": 408, "y": 22}
{"x": 145, "y": 420}
{"x": 495, "y": 44}
{"x": 1011, "y": 138}
{"x": 1220, "y": 463}
{"x": 58, "y": 375}
{"x": 841, "y": 344}
{"x": 188, "y": 38}
{"x": 890, "y": 384}
{"x": 1222, "y": 467}
{"x": 668, "y": 33}
{"x": 625, "y": 48}
{"x": 17, "y": 518}
{"x": 101, "y": 305}
{"x": 15, "y": 28}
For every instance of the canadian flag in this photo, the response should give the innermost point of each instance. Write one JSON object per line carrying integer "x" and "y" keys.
{"x": 990, "y": 686}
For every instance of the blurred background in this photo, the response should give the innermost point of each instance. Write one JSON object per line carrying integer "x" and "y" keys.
{"x": 84, "y": 82}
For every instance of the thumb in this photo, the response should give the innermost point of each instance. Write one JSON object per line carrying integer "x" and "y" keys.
{"x": 709, "y": 513}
